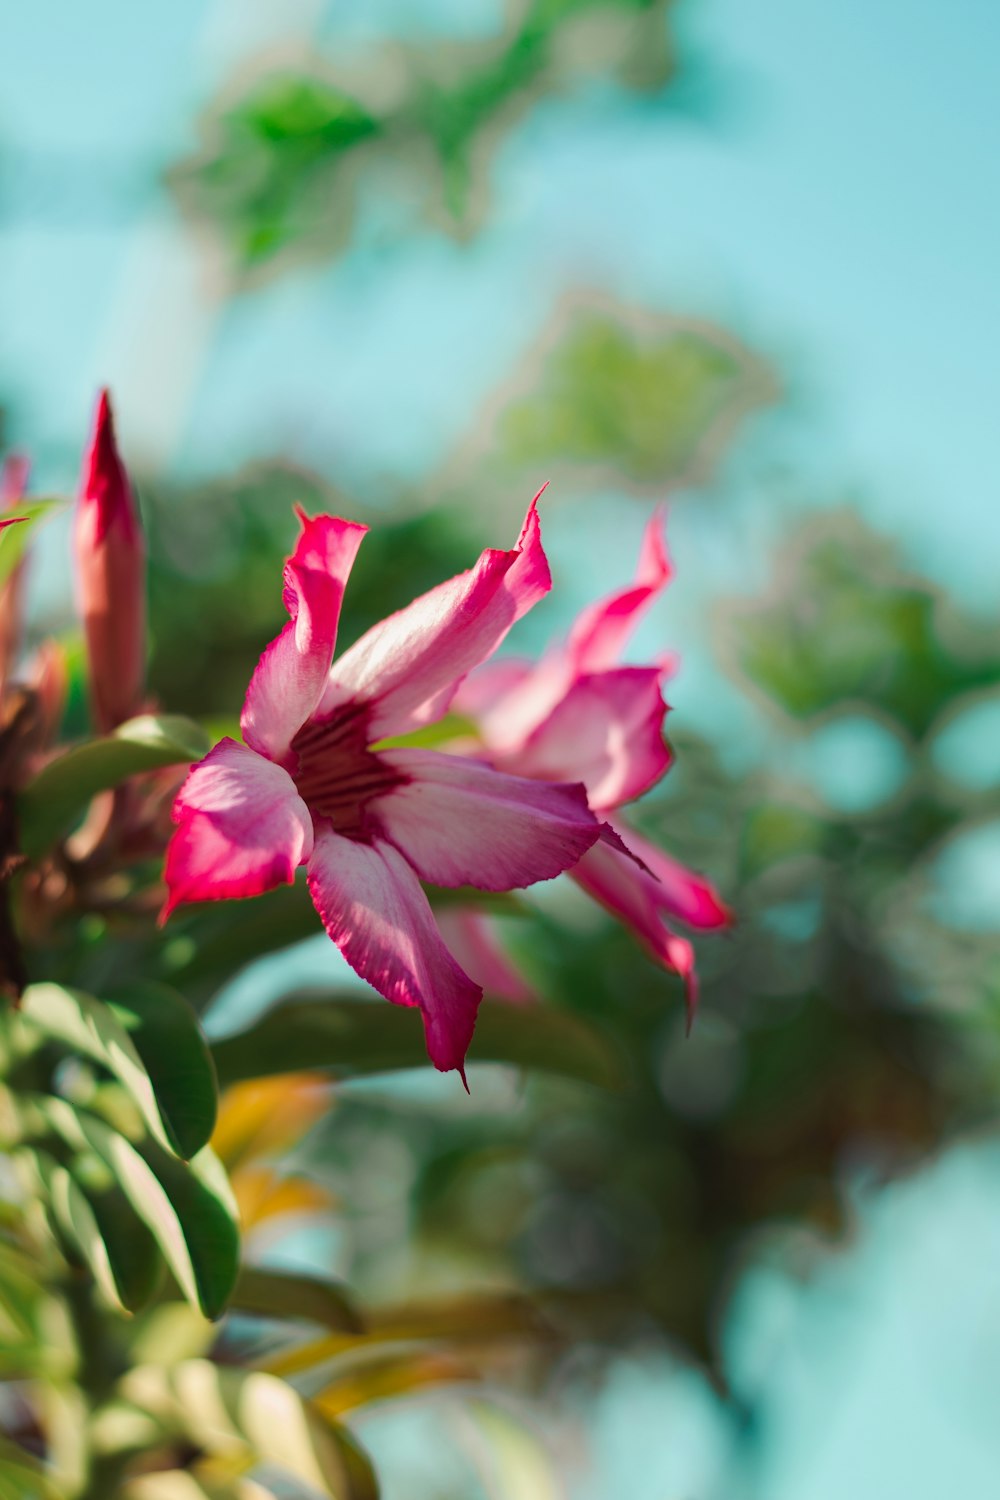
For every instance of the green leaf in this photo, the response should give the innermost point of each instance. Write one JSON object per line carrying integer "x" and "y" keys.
{"x": 187, "y": 1206}
{"x": 53, "y": 803}
{"x": 217, "y": 939}
{"x": 280, "y": 1294}
{"x": 352, "y": 1037}
{"x": 100, "y": 1227}
{"x": 241, "y": 1414}
{"x": 22, "y": 1476}
{"x": 149, "y": 1038}
{"x": 14, "y": 540}
{"x": 182, "y": 1484}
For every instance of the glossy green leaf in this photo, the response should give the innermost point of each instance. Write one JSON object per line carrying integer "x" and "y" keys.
{"x": 282, "y": 1294}
{"x": 149, "y": 1038}
{"x": 116, "y": 1247}
{"x": 53, "y": 803}
{"x": 187, "y": 1206}
{"x": 353, "y": 1036}
{"x": 230, "y": 1413}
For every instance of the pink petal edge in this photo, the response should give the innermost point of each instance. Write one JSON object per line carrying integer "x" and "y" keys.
{"x": 242, "y": 829}
{"x": 374, "y": 909}
{"x": 291, "y": 675}
{"x": 409, "y": 666}
{"x": 459, "y": 822}
{"x": 607, "y": 731}
{"x": 599, "y": 635}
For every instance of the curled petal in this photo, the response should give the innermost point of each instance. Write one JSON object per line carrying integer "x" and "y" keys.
{"x": 291, "y": 675}
{"x": 459, "y": 822}
{"x": 606, "y": 732}
{"x": 472, "y": 937}
{"x": 491, "y": 683}
{"x": 509, "y": 700}
{"x": 408, "y": 666}
{"x": 680, "y": 893}
{"x": 242, "y": 829}
{"x": 600, "y": 632}
{"x": 634, "y": 897}
{"x": 374, "y": 909}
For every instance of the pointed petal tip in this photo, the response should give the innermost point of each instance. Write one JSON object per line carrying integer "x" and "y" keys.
{"x": 655, "y": 563}
{"x": 103, "y": 436}
{"x": 324, "y": 521}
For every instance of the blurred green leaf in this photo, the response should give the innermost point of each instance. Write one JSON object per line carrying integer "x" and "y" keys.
{"x": 653, "y": 401}
{"x": 53, "y": 803}
{"x": 23, "y": 1477}
{"x": 847, "y": 623}
{"x": 118, "y": 1249}
{"x": 187, "y": 1206}
{"x": 284, "y": 1294}
{"x": 182, "y": 1484}
{"x": 149, "y": 1038}
{"x": 281, "y": 164}
{"x": 238, "y": 1414}
{"x": 15, "y": 540}
{"x": 354, "y": 1037}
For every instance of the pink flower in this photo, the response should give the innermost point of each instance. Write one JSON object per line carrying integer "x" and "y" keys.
{"x": 110, "y": 556}
{"x": 311, "y": 785}
{"x": 578, "y": 714}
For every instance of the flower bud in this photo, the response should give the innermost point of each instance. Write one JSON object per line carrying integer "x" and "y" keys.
{"x": 110, "y": 556}
{"x": 13, "y": 483}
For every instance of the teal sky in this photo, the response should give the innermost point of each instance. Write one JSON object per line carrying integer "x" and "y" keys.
{"x": 839, "y": 210}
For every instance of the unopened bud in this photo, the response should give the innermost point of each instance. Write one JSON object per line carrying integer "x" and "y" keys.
{"x": 13, "y": 483}
{"x": 111, "y": 578}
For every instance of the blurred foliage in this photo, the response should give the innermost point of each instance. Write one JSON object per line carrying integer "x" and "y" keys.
{"x": 212, "y": 575}
{"x": 285, "y": 158}
{"x": 849, "y": 623}
{"x": 619, "y": 395}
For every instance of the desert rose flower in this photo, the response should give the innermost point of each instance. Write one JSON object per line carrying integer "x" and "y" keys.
{"x": 110, "y": 556}
{"x": 578, "y": 714}
{"x": 310, "y": 785}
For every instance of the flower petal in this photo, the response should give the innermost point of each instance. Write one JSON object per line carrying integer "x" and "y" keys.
{"x": 679, "y": 892}
{"x": 606, "y": 732}
{"x": 472, "y": 937}
{"x": 408, "y": 666}
{"x": 508, "y": 699}
{"x": 374, "y": 909}
{"x": 242, "y": 829}
{"x": 630, "y": 894}
{"x": 600, "y": 632}
{"x": 494, "y": 680}
{"x": 459, "y": 822}
{"x": 291, "y": 675}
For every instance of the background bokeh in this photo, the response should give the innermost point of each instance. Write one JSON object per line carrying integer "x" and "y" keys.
{"x": 408, "y": 260}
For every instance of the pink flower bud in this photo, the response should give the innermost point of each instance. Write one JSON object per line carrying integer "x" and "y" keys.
{"x": 13, "y": 483}
{"x": 111, "y": 578}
